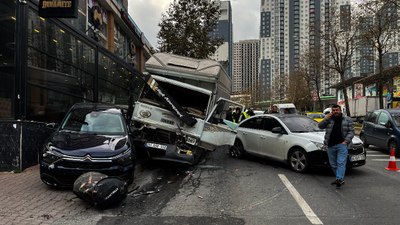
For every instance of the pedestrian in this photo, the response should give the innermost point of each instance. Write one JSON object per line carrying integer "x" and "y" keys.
{"x": 229, "y": 114}
{"x": 236, "y": 115}
{"x": 389, "y": 100}
{"x": 338, "y": 135}
{"x": 274, "y": 109}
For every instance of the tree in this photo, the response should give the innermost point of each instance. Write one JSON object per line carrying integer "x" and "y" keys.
{"x": 299, "y": 90}
{"x": 340, "y": 35}
{"x": 380, "y": 34}
{"x": 187, "y": 26}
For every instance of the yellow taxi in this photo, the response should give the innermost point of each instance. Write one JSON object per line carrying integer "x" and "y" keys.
{"x": 317, "y": 116}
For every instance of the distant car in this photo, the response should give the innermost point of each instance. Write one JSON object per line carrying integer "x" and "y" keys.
{"x": 317, "y": 116}
{"x": 91, "y": 137}
{"x": 382, "y": 128}
{"x": 291, "y": 138}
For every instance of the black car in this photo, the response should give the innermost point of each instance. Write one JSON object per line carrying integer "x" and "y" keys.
{"x": 381, "y": 128}
{"x": 91, "y": 137}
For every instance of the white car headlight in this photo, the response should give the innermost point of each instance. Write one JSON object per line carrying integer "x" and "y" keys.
{"x": 320, "y": 145}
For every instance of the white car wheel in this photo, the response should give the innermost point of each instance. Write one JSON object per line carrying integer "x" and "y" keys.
{"x": 298, "y": 160}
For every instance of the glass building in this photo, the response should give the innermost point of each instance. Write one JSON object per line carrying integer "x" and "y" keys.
{"x": 49, "y": 64}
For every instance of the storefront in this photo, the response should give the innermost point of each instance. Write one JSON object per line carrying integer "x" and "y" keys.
{"x": 48, "y": 64}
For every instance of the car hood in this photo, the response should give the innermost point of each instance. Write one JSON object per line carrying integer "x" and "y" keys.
{"x": 320, "y": 136}
{"x": 312, "y": 136}
{"x": 81, "y": 144}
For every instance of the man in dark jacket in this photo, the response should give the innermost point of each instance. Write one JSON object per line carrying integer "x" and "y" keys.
{"x": 338, "y": 135}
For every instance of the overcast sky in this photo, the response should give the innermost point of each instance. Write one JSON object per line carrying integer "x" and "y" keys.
{"x": 147, "y": 15}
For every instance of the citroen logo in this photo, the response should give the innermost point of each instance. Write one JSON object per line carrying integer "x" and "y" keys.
{"x": 87, "y": 158}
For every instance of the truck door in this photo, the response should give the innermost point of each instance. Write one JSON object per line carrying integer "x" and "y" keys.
{"x": 217, "y": 131}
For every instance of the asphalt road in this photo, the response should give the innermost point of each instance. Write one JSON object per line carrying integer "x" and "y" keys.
{"x": 223, "y": 190}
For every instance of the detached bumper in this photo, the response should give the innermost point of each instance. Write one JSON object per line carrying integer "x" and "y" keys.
{"x": 65, "y": 175}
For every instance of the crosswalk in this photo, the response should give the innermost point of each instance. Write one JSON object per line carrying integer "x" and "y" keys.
{"x": 378, "y": 155}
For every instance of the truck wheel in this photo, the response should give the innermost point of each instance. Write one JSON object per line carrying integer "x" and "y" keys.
{"x": 364, "y": 140}
{"x": 237, "y": 150}
{"x": 298, "y": 160}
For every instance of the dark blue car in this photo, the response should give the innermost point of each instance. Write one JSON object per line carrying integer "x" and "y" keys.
{"x": 382, "y": 129}
{"x": 91, "y": 137}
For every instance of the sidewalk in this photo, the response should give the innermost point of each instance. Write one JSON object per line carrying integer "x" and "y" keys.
{"x": 24, "y": 199}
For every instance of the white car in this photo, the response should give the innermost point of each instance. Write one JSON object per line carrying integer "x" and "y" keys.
{"x": 291, "y": 138}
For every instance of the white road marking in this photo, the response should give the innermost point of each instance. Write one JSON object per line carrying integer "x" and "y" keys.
{"x": 300, "y": 201}
{"x": 385, "y": 160}
{"x": 368, "y": 155}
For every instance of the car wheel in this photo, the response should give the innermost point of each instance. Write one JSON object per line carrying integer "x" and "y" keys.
{"x": 237, "y": 150}
{"x": 364, "y": 140}
{"x": 394, "y": 145}
{"x": 298, "y": 160}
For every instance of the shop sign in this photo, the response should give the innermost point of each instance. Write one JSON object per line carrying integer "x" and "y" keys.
{"x": 58, "y": 8}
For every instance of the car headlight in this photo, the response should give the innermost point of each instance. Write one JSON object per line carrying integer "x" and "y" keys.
{"x": 320, "y": 145}
{"x": 49, "y": 155}
{"x": 124, "y": 158}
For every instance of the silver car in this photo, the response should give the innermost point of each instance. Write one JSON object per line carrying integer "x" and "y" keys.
{"x": 291, "y": 138}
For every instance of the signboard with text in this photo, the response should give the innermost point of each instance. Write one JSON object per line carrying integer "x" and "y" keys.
{"x": 58, "y": 8}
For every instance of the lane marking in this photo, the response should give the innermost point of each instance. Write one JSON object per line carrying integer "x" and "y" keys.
{"x": 300, "y": 201}
{"x": 368, "y": 155}
{"x": 385, "y": 160}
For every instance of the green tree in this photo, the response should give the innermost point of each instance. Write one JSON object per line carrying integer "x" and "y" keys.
{"x": 187, "y": 26}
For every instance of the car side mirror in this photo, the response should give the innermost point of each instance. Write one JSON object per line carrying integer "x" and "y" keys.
{"x": 277, "y": 130}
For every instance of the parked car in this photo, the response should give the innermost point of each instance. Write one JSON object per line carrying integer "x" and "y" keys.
{"x": 317, "y": 116}
{"x": 291, "y": 138}
{"x": 91, "y": 137}
{"x": 381, "y": 128}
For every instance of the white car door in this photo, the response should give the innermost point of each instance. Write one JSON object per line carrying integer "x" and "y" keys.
{"x": 274, "y": 145}
{"x": 249, "y": 133}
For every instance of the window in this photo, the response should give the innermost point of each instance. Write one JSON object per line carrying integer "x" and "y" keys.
{"x": 383, "y": 119}
{"x": 7, "y": 24}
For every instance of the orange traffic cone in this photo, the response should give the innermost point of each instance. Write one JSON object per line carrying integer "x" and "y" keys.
{"x": 392, "y": 162}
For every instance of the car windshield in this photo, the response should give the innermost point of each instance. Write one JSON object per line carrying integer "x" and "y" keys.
{"x": 396, "y": 118}
{"x": 300, "y": 124}
{"x": 98, "y": 122}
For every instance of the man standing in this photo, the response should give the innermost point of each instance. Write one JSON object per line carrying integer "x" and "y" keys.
{"x": 389, "y": 100}
{"x": 338, "y": 135}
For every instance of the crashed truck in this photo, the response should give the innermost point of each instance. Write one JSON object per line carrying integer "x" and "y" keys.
{"x": 181, "y": 111}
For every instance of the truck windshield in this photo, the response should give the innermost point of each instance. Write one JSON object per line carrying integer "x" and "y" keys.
{"x": 195, "y": 103}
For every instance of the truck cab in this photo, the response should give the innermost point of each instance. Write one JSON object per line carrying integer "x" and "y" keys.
{"x": 181, "y": 111}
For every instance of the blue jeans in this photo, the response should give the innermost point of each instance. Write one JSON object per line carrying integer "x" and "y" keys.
{"x": 337, "y": 155}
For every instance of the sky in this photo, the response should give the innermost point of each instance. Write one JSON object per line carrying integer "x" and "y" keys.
{"x": 147, "y": 15}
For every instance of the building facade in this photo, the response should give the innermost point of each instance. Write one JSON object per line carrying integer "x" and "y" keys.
{"x": 48, "y": 64}
{"x": 224, "y": 53}
{"x": 245, "y": 77}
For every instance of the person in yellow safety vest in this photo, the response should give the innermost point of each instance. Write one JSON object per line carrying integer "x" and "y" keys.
{"x": 247, "y": 114}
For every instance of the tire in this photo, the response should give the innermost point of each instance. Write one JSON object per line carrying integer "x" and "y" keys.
{"x": 298, "y": 160}
{"x": 237, "y": 150}
{"x": 365, "y": 144}
{"x": 393, "y": 144}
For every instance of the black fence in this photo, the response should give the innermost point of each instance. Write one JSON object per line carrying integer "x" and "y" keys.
{"x": 20, "y": 142}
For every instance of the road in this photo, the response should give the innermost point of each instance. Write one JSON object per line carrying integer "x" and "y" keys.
{"x": 224, "y": 190}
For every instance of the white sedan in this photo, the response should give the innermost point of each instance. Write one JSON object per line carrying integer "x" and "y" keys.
{"x": 294, "y": 139}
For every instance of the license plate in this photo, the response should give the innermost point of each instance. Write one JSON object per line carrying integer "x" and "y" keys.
{"x": 191, "y": 140}
{"x": 158, "y": 146}
{"x": 357, "y": 157}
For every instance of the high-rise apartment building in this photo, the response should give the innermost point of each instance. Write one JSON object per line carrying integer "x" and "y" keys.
{"x": 245, "y": 70}
{"x": 224, "y": 30}
{"x": 290, "y": 28}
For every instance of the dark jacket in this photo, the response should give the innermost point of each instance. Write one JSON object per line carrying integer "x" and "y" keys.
{"x": 347, "y": 128}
